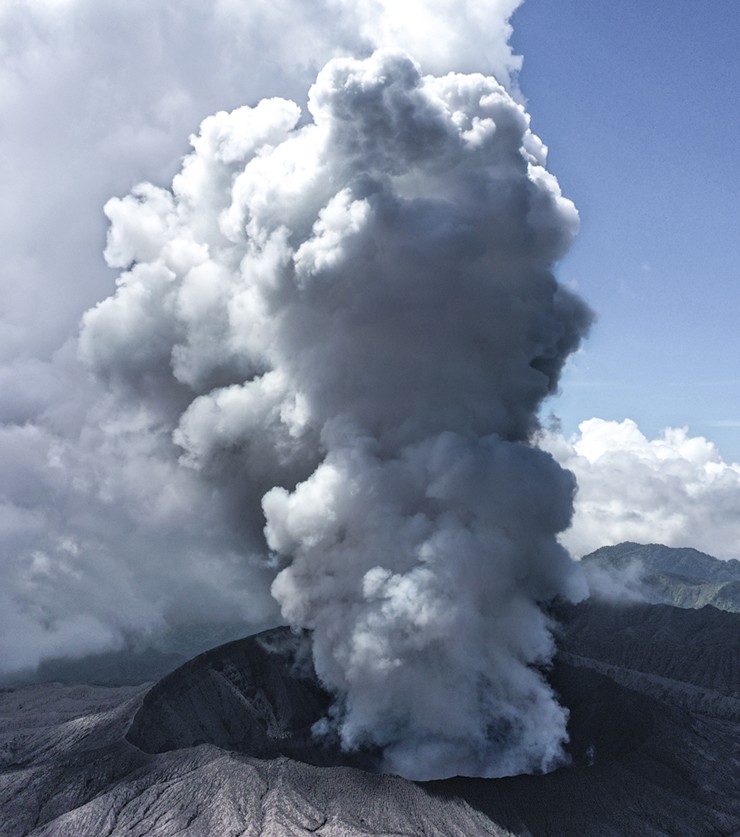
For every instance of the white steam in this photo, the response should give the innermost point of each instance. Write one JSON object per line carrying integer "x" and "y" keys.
{"x": 350, "y": 324}
{"x": 105, "y": 538}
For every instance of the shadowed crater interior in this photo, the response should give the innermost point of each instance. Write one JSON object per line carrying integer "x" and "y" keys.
{"x": 258, "y": 695}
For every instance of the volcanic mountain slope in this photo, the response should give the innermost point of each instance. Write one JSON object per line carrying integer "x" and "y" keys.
{"x": 222, "y": 746}
{"x": 695, "y": 647}
{"x": 681, "y": 577}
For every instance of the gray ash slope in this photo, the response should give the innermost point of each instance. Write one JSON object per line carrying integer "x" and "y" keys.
{"x": 222, "y": 746}
{"x": 697, "y": 647}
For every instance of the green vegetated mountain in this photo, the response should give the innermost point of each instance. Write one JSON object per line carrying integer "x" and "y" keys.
{"x": 681, "y": 577}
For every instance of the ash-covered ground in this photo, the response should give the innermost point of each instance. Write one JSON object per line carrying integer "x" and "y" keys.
{"x": 223, "y": 746}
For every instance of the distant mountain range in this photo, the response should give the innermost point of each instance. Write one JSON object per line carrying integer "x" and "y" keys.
{"x": 681, "y": 577}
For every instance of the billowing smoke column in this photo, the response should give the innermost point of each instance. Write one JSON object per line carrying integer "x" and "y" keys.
{"x": 352, "y": 321}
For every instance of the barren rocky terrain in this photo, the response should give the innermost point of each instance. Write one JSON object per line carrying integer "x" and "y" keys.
{"x": 222, "y": 746}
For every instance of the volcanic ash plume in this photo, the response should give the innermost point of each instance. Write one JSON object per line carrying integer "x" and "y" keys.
{"x": 352, "y": 321}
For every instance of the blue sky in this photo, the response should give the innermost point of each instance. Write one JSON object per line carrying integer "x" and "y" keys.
{"x": 638, "y": 103}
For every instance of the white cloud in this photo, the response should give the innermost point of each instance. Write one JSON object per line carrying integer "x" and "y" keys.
{"x": 97, "y": 95}
{"x": 675, "y": 489}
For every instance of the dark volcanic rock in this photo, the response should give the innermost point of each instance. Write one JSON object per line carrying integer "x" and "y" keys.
{"x": 223, "y": 746}
{"x": 640, "y": 767}
{"x": 699, "y": 647}
{"x": 258, "y": 696}
{"x": 68, "y": 771}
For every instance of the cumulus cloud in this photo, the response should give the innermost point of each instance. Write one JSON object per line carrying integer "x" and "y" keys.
{"x": 675, "y": 489}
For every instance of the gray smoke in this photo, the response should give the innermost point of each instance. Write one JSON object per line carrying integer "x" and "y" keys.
{"x": 346, "y": 324}
{"x": 105, "y": 538}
